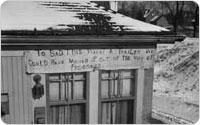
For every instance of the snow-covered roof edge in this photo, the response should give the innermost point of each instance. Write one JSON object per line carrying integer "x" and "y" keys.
{"x": 68, "y": 18}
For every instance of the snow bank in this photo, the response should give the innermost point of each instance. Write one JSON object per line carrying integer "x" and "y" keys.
{"x": 177, "y": 70}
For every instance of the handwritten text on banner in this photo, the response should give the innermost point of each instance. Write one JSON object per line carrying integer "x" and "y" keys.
{"x": 80, "y": 60}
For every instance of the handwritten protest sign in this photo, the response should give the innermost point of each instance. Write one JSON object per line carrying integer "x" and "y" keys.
{"x": 81, "y": 60}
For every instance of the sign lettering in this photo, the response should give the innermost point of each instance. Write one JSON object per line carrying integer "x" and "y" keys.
{"x": 80, "y": 60}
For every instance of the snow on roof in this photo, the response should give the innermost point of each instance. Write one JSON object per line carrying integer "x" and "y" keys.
{"x": 68, "y": 17}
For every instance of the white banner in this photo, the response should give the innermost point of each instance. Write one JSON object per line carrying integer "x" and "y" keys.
{"x": 81, "y": 60}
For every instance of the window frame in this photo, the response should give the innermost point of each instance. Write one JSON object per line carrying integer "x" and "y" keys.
{"x": 117, "y": 99}
{"x": 5, "y": 103}
{"x": 85, "y": 101}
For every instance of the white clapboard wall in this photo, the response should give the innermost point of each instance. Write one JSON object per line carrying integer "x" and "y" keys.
{"x": 17, "y": 84}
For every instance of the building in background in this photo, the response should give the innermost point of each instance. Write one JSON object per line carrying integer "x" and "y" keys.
{"x": 74, "y": 62}
{"x": 154, "y": 17}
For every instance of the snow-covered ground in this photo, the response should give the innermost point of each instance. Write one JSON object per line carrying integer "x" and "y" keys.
{"x": 176, "y": 79}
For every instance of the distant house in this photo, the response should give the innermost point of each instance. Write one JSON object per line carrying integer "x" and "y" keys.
{"x": 154, "y": 17}
{"x": 160, "y": 21}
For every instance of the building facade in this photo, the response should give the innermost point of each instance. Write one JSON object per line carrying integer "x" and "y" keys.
{"x": 73, "y": 62}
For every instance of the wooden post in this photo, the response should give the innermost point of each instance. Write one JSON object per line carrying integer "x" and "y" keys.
{"x": 139, "y": 95}
{"x": 144, "y": 95}
{"x": 148, "y": 93}
{"x": 93, "y": 97}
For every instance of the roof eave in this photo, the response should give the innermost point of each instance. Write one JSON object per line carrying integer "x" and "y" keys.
{"x": 89, "y": 40}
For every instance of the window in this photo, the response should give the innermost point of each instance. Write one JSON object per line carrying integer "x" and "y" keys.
{"x": 4, "y": 104}
{"x": 67, "y": 98}
{"x": 39, "y": 115}
{"x": 117, "y": 96}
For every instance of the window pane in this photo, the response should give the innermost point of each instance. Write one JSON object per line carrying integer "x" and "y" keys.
{"x": 67, "y": 76}
{"x": 63, "y": 77}
{"x": 125, "y": 112}
{"x": 113, "y": 74}
{"x": 126, "y": 87}
{"x": 105, "y": 74}
{"x": 78, "y": 91}
{"x": 54, "y": 91}
{"x": 108, "y": 115}
{"x": 104, "y": 89}
{"x": 39, "y": 115}
{"x": 79, "y": 76}
{"x": 59, "y": 115}
{"x": 116, "y": 74}
{"x": 54, "y": 112}
{"x": 126, "y": 74}
{"x": 77, "y": 114}
{"x": 4, "y": 104}
{"x": 72, "y": 114}
{"x": 109, "y": 88}
{"x": 54, "y": 77}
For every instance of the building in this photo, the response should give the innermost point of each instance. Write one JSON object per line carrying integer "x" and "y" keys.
{"x": 73, "y": 62}
{"x": 154, "y": 17}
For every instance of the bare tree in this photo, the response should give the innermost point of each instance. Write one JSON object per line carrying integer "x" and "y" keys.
{"x": 196, "y": 21}
{"x": 175, "y": 9}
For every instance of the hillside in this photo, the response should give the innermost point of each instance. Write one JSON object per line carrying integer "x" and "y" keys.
{"x": 176, "y": 79}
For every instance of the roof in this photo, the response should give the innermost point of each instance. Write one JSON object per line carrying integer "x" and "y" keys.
{"x": 27, "y": 25}
{"x": 155, "y": 18}
{"x": 43, "y": 17}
